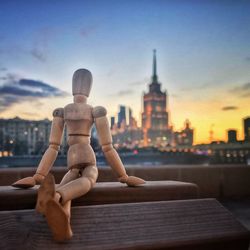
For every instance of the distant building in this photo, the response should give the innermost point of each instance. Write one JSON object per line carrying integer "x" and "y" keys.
{"x": 130, "y": 117}
{"x": 232, "y": 136}
{"x": 155, "y": 116}
{"x": 20, "y": 136}
{"x": 125, "y": 132}
{"x": 246, "y": 123}
{"x": 121, "y": 116}
{"x": 128, "y": 138}
{"x": 25, "y": 137}
{"x": 112, "y": 122}
{"x": 185, "y": 136}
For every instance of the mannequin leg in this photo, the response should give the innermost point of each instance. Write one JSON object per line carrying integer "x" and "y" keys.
{"x": 72, "y": 174}
{"x": 47, "y": 190}
{"x": 69, "y": 176}
{"x": 57, "y": 211}
{"x": 80, "y": 186}
{"x": 56, "y": 216}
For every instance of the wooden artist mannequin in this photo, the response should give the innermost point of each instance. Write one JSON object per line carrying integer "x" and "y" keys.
{"x": 78, "y": 117}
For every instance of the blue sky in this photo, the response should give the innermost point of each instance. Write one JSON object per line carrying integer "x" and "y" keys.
{"x": 203, "y": 53}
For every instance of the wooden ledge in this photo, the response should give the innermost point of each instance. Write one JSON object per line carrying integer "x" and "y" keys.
{"x": 105, "y": 193}
{"x": 188, "y": 224}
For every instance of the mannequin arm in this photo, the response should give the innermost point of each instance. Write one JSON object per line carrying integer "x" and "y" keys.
{"x": 49, "y": 156}
{"x": 105, "y": 139}
{"x": 51, "y": 153}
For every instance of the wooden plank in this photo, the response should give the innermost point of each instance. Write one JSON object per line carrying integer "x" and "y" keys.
{"x": 217, "y": 181}
{"x": 187, "y": 224}
{"x": 105, "y": 193}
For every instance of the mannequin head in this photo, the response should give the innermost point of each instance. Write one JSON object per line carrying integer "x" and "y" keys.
{"x": 81, "y": 82}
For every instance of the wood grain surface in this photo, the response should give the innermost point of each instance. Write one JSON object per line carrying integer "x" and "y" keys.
{"x": 187, "y": 224}
{"x": 105, "y": 193}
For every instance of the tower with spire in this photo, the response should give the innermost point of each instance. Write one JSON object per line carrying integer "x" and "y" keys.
{"x": 155, "y": 115}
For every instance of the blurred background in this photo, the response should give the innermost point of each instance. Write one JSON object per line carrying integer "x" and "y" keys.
{"x": 173, "y": 75}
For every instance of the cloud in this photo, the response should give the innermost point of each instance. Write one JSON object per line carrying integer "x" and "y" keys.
{"x": 16, "y": 90}
{"x": 193, "y": 87}
{"x": 125, "y": 92}
{"x": 37, "y": 51}
{"x": 86, "y": 31}
{"x": 40, "y": 46}
{"x": 175, "y": 96}
{"x": 242, "y": 91}
{"x": 38, "y": 54}
{"x": 247, "y": 58}
{"x": 227, "y": 108}
{"x": 3, "y": 69}
{"x": 246, "y": 95}
{"x": 141, "y": 82}
{"x": 37, "y": 47}
{"x": 29, "y": 114}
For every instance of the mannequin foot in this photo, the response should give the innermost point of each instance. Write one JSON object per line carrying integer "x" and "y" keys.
{"x": 58, "y": 221}
{"x": 45, "y": 193}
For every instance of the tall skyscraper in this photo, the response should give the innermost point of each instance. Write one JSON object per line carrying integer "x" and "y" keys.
{"x": 121, "y": 116}
{"x": 130, "y": 117}
{"x": 112, "y": 122}
{"x": 155, "y": 115}
{"x": 246, "y": 122}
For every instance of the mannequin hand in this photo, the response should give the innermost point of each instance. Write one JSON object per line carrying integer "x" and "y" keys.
{"x": 38, "y": 178}
{"x": 29, "y": 182}
{"x": 26, "y": 182}
{"x": 131, "y": 181}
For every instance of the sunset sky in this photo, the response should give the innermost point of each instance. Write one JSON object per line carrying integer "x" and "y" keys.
{"x": 203, "y": 58}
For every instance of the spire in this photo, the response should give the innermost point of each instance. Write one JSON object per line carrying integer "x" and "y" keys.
{"x": 154, "y": 77}
{"x": 154, "y": 86}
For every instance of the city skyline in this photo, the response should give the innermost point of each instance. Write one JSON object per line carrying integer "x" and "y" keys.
{"x": 203, "y": 58}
